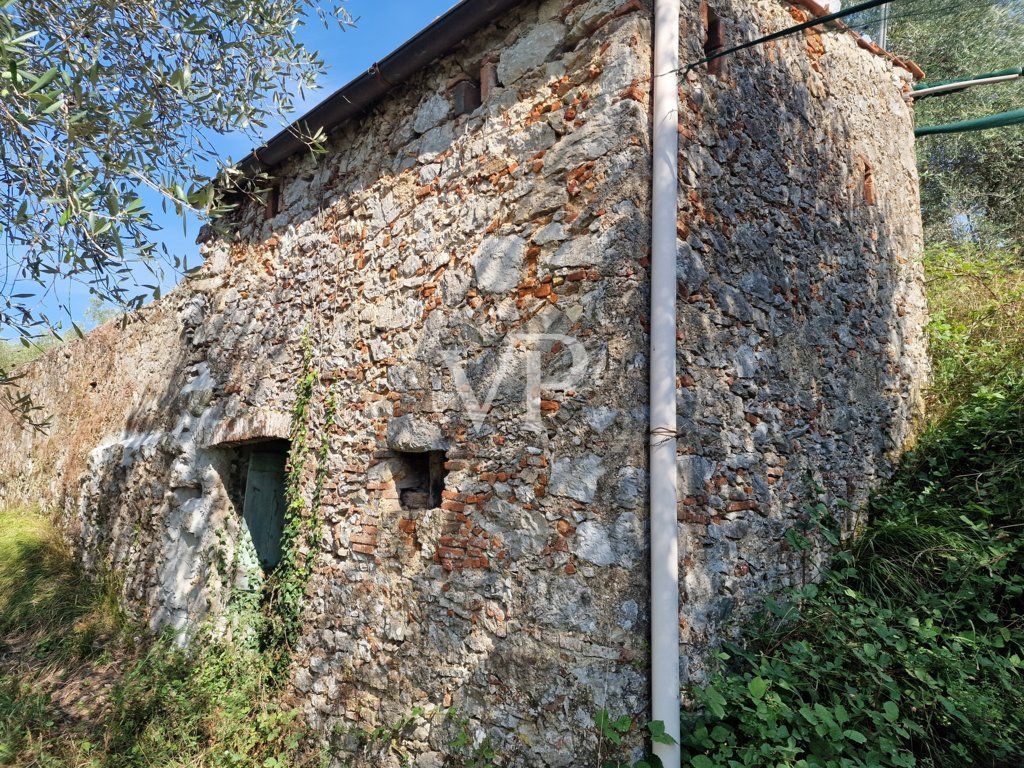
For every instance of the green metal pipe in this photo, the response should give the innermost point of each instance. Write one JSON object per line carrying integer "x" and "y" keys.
{"x": 1002, "y": 120}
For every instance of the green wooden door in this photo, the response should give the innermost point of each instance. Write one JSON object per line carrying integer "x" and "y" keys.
{"x": 264, "y": 503}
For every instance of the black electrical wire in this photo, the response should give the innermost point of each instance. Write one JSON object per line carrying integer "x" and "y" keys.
{"x": 955, "y": 6}
{"x": 859, "y": 8}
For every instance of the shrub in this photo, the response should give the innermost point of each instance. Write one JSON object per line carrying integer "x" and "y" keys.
{"x": 976, "y": 332}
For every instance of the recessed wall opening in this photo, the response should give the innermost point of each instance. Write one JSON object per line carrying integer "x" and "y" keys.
{"x": 260, "y": 479}
{"x": 713, "y": 37}
{"x": 420, "y": 479}
{"x": 466, "y": 95}
{"x": 273, "y": 206}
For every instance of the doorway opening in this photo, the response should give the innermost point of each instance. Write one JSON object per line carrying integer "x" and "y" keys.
{"x": 262, "y": 478}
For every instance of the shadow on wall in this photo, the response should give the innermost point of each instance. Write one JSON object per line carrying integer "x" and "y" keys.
{"x": 801, "y": 347}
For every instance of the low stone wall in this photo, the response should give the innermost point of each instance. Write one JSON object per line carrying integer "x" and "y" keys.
{"x": 475, "y": 291}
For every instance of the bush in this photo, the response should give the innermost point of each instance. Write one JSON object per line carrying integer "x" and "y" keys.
{"x": 976, "y": 332}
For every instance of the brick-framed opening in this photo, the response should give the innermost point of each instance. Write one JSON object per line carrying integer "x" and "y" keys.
{"x": 273, "y": 203}
{"x": 714, "y": 37}
{"x": 420, "y": 479}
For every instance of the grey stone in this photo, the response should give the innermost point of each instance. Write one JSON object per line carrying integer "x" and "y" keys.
{"x": 409, "y": 433}
{"x": 453, "y": 287}
{"x": 600, "y": 417}
{"x": 692, "y": 273}
{"x": 430, "y": 760}
{"x": 498, "y": 263}
{"x": 578, "y": 252}
{"x": 593, "y": 544}
{"x": 576, "y": 477}
{"x": 629, "y": 612}
{"x": 631, "y": 489}
{"x": 530, "y": 51}
{"x": 694, "y": 472}
{"x": 552, "y": 233}
{"x": 745, "y": 362}
{"x": 431, "y": 113}
{"x": 733, "y": 303}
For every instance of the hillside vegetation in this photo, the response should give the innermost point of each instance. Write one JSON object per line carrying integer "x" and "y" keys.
{"x": 909, "y": 653}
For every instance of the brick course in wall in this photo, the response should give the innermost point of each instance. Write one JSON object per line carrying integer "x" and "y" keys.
{"x": 477, "y": 284}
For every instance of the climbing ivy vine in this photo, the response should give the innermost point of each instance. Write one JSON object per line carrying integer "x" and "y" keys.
{"x": 284, "y": 589}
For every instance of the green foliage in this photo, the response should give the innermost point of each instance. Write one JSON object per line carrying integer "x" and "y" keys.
{"x": 213, "y": 704}
{"x": 216, "y": 705}
{"x": 99, "y": 312}
{"x": 976, "y": 332}
{"x": 611, "y": 733}
{"x": 285, "y": 588}
{"x": 103, "y": 104}
{"x": 909, "y": 653}
{"x": 970, "y": 182}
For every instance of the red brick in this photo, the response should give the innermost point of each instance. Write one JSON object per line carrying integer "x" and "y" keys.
{"x": 739, "y": 506}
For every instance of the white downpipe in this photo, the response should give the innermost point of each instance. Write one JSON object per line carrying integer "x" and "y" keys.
{"x": 664, "y": 528}
{"x": 962, "y": 85}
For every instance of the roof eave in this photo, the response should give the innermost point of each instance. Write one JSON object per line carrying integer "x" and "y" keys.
{"x": 352, "y": 100}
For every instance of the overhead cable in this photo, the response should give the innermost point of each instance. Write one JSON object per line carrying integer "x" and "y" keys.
{"x": 815, "y": 22}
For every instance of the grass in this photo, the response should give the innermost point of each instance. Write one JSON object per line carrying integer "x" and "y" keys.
{"x": 82, "y": 685}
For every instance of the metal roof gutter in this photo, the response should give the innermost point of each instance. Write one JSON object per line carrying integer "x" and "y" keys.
{"x": 352, "y": 100}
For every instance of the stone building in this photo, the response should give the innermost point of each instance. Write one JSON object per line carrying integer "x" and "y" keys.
{"x": 470, "y": 263}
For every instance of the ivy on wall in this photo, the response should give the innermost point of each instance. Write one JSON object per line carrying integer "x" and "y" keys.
{"x": 268, "y": 609}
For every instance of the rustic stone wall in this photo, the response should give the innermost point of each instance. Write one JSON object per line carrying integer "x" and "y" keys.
{"x": 477, "y": 284}
{"x": 801, "y": 355}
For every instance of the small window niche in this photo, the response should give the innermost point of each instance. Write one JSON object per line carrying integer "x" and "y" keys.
{"x": 714, "y": 40}
{"x": 420, "y": 479}
{"x": 263, "y": 465}
{"x": 467, "y": 97}
{"x": 273, "y": 204}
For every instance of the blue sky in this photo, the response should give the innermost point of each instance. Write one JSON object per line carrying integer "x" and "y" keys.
{"x": 381, "y": 26}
